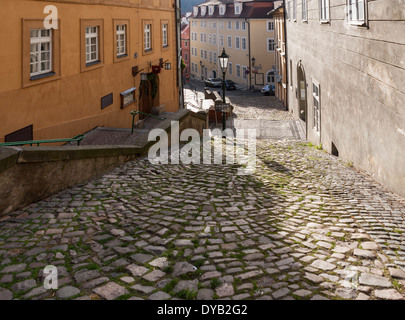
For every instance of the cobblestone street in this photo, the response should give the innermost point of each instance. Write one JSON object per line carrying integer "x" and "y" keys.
{"x": 305, "y": 225}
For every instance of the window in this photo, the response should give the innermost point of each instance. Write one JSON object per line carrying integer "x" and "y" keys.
{"x": 210, "y": 38}
{"x": 324, "y": 10}
{"x": 237, "y": 42}
{"x": 121, "y": 40}
{"x": 41, "y": 52}
{"x": 148, "y": 37}
{"x": 243, "y": 26}
{"x": 229, "y": 25}
{"x": 356, "y": 12}
{"x": 238, "y": 8}
{"x": 295, "y": 10}
{"x": 185, "y": 56}
{"x": 221, "y": 25}
{"x": 237, "y": 25}
{"x": 202, "y": 53}
{"x": 202, "y": 37}
{"x": 229, "y": 42}
{"x": 205, "y": 38}
{"x": 270, "y": 26}
{"x": 304, "y": 10}
{"x": 215, "y": 57}
{"x": 291, "y": 75}
{"x": 165, "y": 37}
{"x": 195, "y": 11}
{"x": 270, "y": 44}
{"x": 214, "y": 39}
{"x": 244, "y": 72}
{"x": 211, "y": 10}
{"x": 230, "y": 69}
{"x": 238, "y": 70}
{"x": 91, "y": 44}
{"x": 244, "y": 43}
{"x": 203, "y": 10}
{"x": 289, "y": 10}
{"x": 205, "y": 54}
{"x": 221, "y": 10}
{"x": 317, "y": 106}
{"x": 270, "y": 78}
{"x": 210, "y": 56}
{"x": 221, "y": 40}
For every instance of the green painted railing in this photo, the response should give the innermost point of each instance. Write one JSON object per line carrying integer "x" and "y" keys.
{"x": 135, "y": 113}
{"x": 77, "y": 139}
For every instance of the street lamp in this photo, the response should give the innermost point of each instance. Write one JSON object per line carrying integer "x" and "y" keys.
{"x": 223, "y": 63}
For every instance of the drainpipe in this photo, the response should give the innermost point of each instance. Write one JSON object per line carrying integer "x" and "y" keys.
{"x": 250, "y": 60}
{"x": 178, "y": 53}
{"x": 286, "y": 54}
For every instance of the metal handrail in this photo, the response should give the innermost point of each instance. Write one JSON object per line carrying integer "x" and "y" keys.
{"x": 135, "y": 113}
{"x": 78, "y": 139}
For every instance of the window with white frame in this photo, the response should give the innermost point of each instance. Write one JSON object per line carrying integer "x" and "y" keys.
{"x": 210, "y": 38}
{"x": 91, "y": 44}
{"x": 304, "y": 10}
{"x": 210, "y": 56}
{"x": 221, "y": 25}
{"x": 317, "y": 106}
{"x": 294, "y": 4}
{"x": 202, "y": 53}
{"x": 324, "y": 10}
{"x": 205, "y": 54}
{"x": 148, "y": 37}
{"x": 243, "y": 43}
{"x": 244, "y": 72}
{"x": 202, "y": 37}
{"x": 270, "y": 26}
{"x": 215, "y": 58}
{"x": 205, "y": 38}
{"x": 195, "y": 11}
{"x": 221, "y": 9}
{"x": 230, "y": 69}
{"x": 211, "y": 10}
{"x": 229, "y": 25}
{"x": 203, "y": 10}
{"x": 270, "y": 44}
{"x": 214, "y": 25}
{"x": 121, "y": 40}
{"x": 221, "y": 40}
{"x": 237, "y": 42}
{"x": 237, "y": 25}
{"x": 214, "y": 39}
{"x": 238, "y": 8}
{"x": 238, "y": 70}
{"x": 356, "y": 11}
{"x": 243, "y": 26}
{"x": 41, "y": 51}
{"x": 229, "y": 42}
{"x": 165, "y": 40}
{"x": 270, "y": 77}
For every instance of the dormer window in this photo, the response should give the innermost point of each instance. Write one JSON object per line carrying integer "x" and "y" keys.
{"x": 195, "y": 11}
{"x": 203, "y": 10}
{"x": 238, "y": 8}
{"x": 222, "y": 8}
{"x": 211, "y": 10}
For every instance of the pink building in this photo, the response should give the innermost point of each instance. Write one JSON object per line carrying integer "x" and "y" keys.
{"x": 185, "y": 49}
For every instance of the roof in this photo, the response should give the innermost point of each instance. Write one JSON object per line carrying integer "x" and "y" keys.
{"x": 256, "y": 9}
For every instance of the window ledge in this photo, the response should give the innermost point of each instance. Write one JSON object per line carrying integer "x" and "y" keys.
{"x": 42, "y": 76}
{"x": 357, "y": 23}
{"x": 122, "y": 56}
{"x": 325, "y": 22}
{"x": 90, "y": 64}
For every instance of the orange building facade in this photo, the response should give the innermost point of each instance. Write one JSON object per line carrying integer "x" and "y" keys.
{"x": 64, "y": 81}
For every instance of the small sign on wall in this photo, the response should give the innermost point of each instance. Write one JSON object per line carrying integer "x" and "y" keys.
{"x": 259, "y": 79}
{"x": 106, "y": 101}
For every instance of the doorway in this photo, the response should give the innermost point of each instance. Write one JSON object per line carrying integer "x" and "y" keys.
{"x": 148, "y": 94}
{"x": 302, "y": 95}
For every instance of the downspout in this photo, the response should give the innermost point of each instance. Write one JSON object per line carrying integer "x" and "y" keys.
{"x": 250, "y": 60}
{"x": 179, "y": 81}
{"x": 286, "y": 56}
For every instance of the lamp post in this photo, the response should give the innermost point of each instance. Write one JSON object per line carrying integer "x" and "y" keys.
{"x": 223, "y": 63}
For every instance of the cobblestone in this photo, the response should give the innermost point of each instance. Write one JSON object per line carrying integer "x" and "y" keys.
{"x": 304, "y": 226}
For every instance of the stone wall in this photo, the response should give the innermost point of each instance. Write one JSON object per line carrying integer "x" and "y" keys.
{"x": 361, "y": 75}
{"x": 29, "y": 174}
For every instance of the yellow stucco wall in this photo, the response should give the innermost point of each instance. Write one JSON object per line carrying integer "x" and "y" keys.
{"x": 71, "y": 105}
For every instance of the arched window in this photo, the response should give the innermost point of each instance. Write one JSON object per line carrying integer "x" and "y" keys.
{"x": 270, "y": 77}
